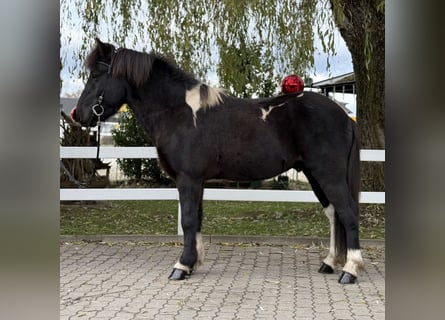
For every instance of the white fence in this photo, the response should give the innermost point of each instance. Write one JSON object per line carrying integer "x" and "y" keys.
{"x": 209, "y": 193}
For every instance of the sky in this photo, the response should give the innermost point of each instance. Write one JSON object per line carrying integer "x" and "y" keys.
{"x": 341, "y": 63}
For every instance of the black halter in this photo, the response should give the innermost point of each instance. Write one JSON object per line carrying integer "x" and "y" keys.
{"x": 98, "y": 108}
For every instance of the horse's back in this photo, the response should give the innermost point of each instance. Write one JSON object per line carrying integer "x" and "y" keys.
{"x": 252, "y": 139}
{"x": 327, "y": 129}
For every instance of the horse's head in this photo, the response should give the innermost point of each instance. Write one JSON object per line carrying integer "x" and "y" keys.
{"x": 103, "y": 94}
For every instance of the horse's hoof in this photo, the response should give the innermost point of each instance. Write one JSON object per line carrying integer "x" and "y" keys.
{"x": 325, "y": 268}
{"x": 178, "y": 274}
{"x": 347, "y": 278}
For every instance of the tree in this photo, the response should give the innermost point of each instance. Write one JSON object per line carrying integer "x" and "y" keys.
{"x": 240, "y": 66}
{"x": 362, "y": 26}
{"x": 219, "y": 36}
{"x": 130, "y": 134}
{"x": 197, "y": 33}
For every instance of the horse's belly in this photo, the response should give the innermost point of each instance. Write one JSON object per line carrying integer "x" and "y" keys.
{"x": 253, "y": 169}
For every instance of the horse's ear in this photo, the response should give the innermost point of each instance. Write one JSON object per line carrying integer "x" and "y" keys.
{"x": 98, "y": 42}
{"x": 103, "y": 49}
{"x": 100, "y": 47}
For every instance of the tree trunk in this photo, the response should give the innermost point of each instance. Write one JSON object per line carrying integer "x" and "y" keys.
{"x": 362, "y": 26}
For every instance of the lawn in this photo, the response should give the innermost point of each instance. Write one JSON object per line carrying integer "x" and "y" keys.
{"x": 220, "y": 218}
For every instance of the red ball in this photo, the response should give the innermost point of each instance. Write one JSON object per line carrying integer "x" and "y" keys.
{"x": 292, "y": 83}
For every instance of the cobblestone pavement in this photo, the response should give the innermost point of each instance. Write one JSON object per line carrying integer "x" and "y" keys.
{"x": 101, "y": 280}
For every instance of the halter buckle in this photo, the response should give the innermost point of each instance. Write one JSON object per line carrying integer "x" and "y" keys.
{"x": 98, "y": 112}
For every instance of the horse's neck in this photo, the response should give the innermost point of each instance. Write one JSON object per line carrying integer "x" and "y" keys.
{"x": 153, "y": 113}
{"x": 160, "y": 99}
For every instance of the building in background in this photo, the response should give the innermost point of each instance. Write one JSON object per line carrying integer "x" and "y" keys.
{"x": 341, "y": 89}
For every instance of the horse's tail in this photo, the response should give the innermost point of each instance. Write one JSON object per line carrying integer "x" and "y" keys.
{"x": 353, "y": 179}
{"x": 354, "y": 165}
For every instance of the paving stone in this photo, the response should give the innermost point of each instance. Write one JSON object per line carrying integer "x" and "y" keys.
{"x": 106, "y": 314}
{"x": 304, "y": 312}
{"x": 129, "y": 281}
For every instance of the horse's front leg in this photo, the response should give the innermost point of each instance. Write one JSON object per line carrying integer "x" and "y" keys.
{"x": 190, "y": 198}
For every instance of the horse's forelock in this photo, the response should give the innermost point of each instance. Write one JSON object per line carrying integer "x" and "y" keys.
{"x": 132, "y": 65}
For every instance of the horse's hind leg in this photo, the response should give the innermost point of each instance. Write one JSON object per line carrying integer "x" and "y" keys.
{"x": 348, "y": 216}
{"x": 346, "y": 228}
{"x": 190, "y": 198}
{"x": 342, "y": 212}
{"x": 328, "y": 264}
{"x": 199, "y": 242}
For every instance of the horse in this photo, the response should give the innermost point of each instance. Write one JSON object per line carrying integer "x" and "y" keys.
{"x": 201, "y": 133}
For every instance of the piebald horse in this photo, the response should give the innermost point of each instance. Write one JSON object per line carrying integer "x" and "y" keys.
{"x": 202, "y": 133}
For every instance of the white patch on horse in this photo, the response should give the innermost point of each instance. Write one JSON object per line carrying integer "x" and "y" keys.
{"x": 329, "y": 211}
{"x": 200, "y": 249}
{"x": 300, "y": 95}
{"x": 265, "y": 113}
{"x": 180, "y": 266}
{"x": 200, "y": 261}
{"x": 214, "y": 97}
{"x": 194, "y": 100}
{"x": 354, "y": 261}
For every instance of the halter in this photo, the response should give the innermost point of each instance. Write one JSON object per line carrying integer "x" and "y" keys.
{"x": 97, "y": 108}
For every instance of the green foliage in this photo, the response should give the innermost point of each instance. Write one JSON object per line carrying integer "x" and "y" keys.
{"x": 130, "y": 134}
{"x": 269, "y": 38}
{"x": 240, "y": 67}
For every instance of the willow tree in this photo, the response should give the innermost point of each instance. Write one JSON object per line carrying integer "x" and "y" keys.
{"x": 362, "y": 26}
{"x": 247, "y": 45}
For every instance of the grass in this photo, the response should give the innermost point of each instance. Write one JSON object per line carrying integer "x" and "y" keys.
{"x": 220, "y": 217}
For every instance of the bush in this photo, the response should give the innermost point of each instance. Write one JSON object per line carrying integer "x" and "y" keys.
{"x": 79, "y": 172}
{"x": 130, "y": 134}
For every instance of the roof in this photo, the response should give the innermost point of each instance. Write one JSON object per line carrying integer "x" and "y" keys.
{"x": 344, "y": 83}
{"x": 338, "y": 80}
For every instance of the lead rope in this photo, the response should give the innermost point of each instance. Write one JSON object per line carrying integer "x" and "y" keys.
{"x": 98, "y": 113}
{"x": 98, "y": 139}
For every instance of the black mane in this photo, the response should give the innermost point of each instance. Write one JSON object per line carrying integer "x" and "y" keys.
{"x": 136, "y": 66}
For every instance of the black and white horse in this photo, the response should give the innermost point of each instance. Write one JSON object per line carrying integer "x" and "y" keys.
{"x": 201, "y": 133}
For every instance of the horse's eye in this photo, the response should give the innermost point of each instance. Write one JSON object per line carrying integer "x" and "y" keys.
{"x": 95, "y": 74}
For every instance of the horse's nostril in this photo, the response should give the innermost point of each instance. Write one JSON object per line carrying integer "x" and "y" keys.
{"x": 73, "y": 114}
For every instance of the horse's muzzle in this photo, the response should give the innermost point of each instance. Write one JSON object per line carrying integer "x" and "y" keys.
{"x": 77, "y": 119}
{"x": 73, "y": 114}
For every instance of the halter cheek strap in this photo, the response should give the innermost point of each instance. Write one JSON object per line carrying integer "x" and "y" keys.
{"x": 98, "y": 108}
